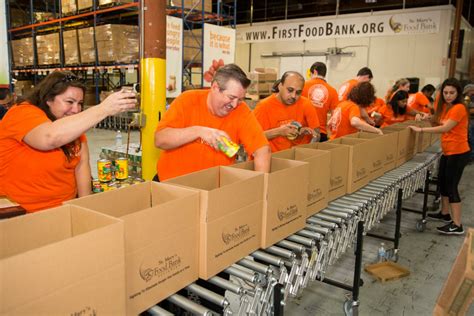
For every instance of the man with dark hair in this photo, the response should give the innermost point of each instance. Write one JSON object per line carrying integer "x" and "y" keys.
{"x": 287, "y": 118}
{"x": 420, "y": 101}
{"x": 322, "y": 95}
{"x": 363, "y": 75}
{"x": 347, "y": 117}
{"x": 197, "y": 121}
{"x": 5, "y": 101}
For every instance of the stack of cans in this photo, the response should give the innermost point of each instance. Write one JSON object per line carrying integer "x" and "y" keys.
{"x": 112, "y": 176}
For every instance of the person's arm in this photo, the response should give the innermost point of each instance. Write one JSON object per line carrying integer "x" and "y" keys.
{"x": 446, "y": 127}
{"x": 83, "y": 172}
{"x": 284, "y": 130}
{"x": 262, "y": 159}
{"x": 363, "y": 126}
{"x": 171, "y": 138}
{"x": 51, "y": 135}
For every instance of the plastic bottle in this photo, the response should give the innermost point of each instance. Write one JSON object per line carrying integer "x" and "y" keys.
{"x": 381, "y": 253}
{"x": 118, "y": 139}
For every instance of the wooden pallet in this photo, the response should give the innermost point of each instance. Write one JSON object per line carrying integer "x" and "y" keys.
{"x": 387, "y": 271}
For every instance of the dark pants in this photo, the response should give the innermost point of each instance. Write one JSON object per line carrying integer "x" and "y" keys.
{"x": 449, "y": 175}
{"x": 471, "y": 138}
{"x": 324, "y": 137}
{"x": 156, "y": 178}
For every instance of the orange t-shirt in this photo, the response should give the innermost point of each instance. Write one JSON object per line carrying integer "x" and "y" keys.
{"x": 419, "y": 102}
{"x": 376, "y": 106}
{"x": 33, "y": 178}
{"x": 345, "y": 88}
{"x": 190, "y": 109}
{"x": 340, "y": 122}
{"x": 323, "y": 97}
{"x": 389, "y": 118}
{"x": 271, "y": 113}
{"x": 455, "y": 141}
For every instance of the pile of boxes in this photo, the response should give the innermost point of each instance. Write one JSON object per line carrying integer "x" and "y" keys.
{"x": 71, "y": 47}
{"x": 69, "y": 7}
{"x": 262, "y": 80}
{"x": 147, "y": 241}
{"x": 117, "y": 43}
{"x": 23, "y": 52}
{"x": 192, "y": 4}
{"x": 48, "y": 49}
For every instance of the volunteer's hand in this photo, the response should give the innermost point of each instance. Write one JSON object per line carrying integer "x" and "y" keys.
{"x": 379, "y": 131}
{"x": 309, "y": 131}
{"x": 415, "y": 128}
{"x": 211, "y": 136}
{"x": 288, "y": 130}
{"x": 118, "y": 102}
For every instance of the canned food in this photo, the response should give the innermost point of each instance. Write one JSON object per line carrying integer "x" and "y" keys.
{"x": 124, "y": 184}
{"x": 104, "y": 170}
{"x": 112, "y": 186}
{"x": 298, "y": 127}
{"x": 104, "y": 187}
{"x": 138, "y": 180}
{"x": 228, "y": 147}
{"x": 121, "y": 168}
{"x": 96, "y": 188}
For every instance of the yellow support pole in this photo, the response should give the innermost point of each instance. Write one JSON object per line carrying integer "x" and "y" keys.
{"x": 153, "y": 78}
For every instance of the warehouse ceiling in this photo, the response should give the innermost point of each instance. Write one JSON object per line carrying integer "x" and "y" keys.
{"x": 271, "y": 10}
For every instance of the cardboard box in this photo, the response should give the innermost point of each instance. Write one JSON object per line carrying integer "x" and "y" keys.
{"x": 68, "y": 7}
{"x": 62, "y": 261}
{"x": 161, "y": 238}
{"x": 48, "y": 49}
{"x": 87, "y": 4}
{"x": 361, "y": 156}
{"x": 385, "y": 151}
{"x": 71, "y": 47}
{"x": 285, "y": 194}
{"x": 86, "y": 45}
{"x": 458, "y": 290}
{"x": 260, "y": 88}
{"x": 407, "y": 141}
{"x": 111, "y": 2}
{"x": 22, "y": 50}
{"x": 230, "y": 215}
{"x": 319, "y": 174}
{"x": 423, "y": 139}
{"x": 189, "y": 4}
{"x": 117, "y": 43}
{"x": 339, "y": 167}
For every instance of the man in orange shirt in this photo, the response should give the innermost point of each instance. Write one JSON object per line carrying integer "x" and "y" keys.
{"x": 287, "y": 118}
{"x": 197, "y": 120}
{"x": 321, "y": 94}
{"x": 363, "y": 75}
{"x": 420, "y": 101}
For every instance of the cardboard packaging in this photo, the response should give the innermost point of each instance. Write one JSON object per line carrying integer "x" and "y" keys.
{"x": 62, "y": 261}
{"x": 423, "y": 139}
{"x": 161, "y": 238}
{"x": 407, "y": 141}
{"x": 260, "y": 88}
{"x": 339, "y": 167}
{"x": 22, "y": 50}
{"x": 230, "y": 215}
{"x": 71, "y": 47}
{"x": 285, "y": 198}
{"x": 86, "y": 45}
{"x": 361, "y": 156}
{"x": 189, "y": 4}
{"x": 386, "y": 151}
{"x": 458, "y": 290}
{"x": 319, "y": 174}
{"x": 48, "y": 49}
{"x": 117, "y": 43}
{"x": 68, "y": 7}
{"x": 87, "y": 4}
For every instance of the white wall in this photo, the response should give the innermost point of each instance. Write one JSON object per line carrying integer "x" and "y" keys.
{"x": 390, "y": 57}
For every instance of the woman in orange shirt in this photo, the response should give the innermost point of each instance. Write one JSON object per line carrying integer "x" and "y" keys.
{"x": 396, "y": 110}
{"x": 347, "y": 118}
{"x": 451, "y": 117}
{"x": 402, "y": 84}
{"x": 44, "y": 158}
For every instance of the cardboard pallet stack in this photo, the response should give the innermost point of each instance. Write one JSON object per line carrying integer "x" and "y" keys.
{"x": 22, "y": 52}
{"x": 262, "y": 80}
{"x": 47, "y": 47}
{"x": 86, "y": 45}
{"x": 71, "y": 47}
{"x": 117, "y": 43}
{"x": 192, "y": 4}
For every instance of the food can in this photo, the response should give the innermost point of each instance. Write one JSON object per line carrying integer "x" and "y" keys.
{"x": 121, "y": 168}
{"x": 298, "y": 127}
{"x": 104, "y": 187}
{"x": 112, "y": 186}
{"x": 104, "y": 170}
{"x": 137, "y": 180}
{"x": 96, "y": 188}
{"x": 228, "y": 147}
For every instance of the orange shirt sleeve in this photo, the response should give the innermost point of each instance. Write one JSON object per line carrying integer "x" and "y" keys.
{"x": 20, "y": 125}
{"x": 174, "y": 117}
{"x": 456, "y": 113}
{"x": 251, "y": 134}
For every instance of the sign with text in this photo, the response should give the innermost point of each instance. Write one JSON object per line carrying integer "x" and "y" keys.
{"x": 218, "y": 49}
{"x": 4, "y": 69}
{"x": 174, "y": 56}
{"x": 374, "y": 25}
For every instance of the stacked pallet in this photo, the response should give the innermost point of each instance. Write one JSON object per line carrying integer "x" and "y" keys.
{"x": 262, "y": 80}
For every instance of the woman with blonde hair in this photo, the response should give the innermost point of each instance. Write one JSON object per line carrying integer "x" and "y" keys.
{"x": 402, "y": 84}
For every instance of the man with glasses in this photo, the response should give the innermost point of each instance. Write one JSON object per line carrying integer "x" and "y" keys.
{"x": 191, "y": 130}
{"x": 287, "y": 118}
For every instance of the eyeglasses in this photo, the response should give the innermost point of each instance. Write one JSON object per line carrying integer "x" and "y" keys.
{"x": 69, "y": 78}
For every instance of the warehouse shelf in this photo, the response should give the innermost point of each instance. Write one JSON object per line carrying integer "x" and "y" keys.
{"x": 74, "y": 68}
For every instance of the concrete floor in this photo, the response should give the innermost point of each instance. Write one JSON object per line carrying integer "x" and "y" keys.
{"x": 427, "y": 255}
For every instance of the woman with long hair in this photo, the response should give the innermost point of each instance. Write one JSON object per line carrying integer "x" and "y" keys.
{"x": 397, "y": 111}
{"x": 44, "y": 158}
{"x": 402, "y": 84}
{"x": 451, "y": 120}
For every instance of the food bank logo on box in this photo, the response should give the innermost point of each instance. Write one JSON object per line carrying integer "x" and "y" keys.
{"x": 86, "y": 311}
{"x": 315, "y": 194}
{"x": 336, "y": 181}
{"x": 160, "y": 268}
{"x": 289, "y": 212}
{"x": 361, "y": 172}
{"x": 377, "y": 164}
{"x": 236, "y": 235}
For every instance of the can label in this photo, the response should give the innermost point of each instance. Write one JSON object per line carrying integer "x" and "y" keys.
{"x": 104, "y": 170}
{"x": 121, "y": 169}
{"x": 96, "y": 188}
{"x": 298, "y": 127}
{"x": 228, "y": 147}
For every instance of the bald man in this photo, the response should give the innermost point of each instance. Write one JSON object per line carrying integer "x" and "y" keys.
{"x": 287, "y": 118}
